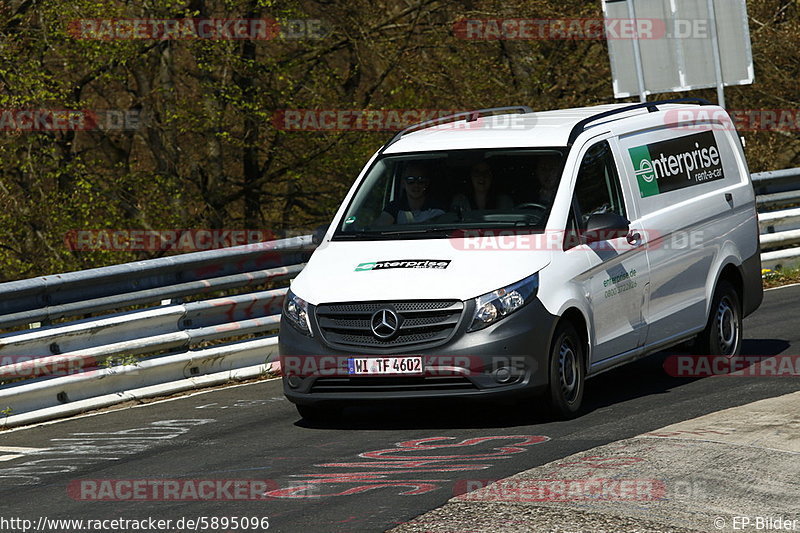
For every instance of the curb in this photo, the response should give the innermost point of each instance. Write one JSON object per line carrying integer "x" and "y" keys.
{"x": 732, "y": 470}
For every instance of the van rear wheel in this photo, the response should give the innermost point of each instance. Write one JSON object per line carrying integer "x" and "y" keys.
{"x": 567, "y": 371}
{"x": 723, "y": 333}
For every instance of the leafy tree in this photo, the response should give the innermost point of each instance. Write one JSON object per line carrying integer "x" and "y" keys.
{"x": 206, "y": 153}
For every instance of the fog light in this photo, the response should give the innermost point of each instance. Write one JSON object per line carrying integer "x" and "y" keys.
{"x": 503, "y": 375}
{"x": 294, "y": 381}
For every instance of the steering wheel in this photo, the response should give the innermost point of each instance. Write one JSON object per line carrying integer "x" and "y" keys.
{"x": 529, "y": 205}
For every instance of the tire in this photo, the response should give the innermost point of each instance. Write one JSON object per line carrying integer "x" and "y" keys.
{"x": 723, "y": 332}
{"x": 315, "y": 413}
{"x": 567, "y": 372}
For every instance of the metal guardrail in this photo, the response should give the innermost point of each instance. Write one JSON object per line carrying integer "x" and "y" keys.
{"x": 65, "y": 368}
{"x": 170, "y": 346}
{"x": 788, "y": 176}
{"x": 54, "y": 297}
{"x": 780, "y": 229}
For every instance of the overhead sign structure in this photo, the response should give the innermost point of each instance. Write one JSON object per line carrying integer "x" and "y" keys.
{"x": 681, "y": 45}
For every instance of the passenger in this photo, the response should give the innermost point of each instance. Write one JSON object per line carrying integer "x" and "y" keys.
{"x": 547, "y": 175}
{"x": 416, "y": 205}
{"x": 482, "y": 195}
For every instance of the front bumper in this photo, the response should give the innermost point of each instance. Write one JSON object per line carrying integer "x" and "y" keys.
{"x": 505, "y": 360}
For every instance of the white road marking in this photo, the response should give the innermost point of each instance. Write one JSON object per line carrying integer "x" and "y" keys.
{"x": 781, "y": 287}
{"x": 19, "y": 449}
{"x": 15, "y": 452}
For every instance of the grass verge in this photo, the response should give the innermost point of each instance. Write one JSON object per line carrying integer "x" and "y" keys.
{"x": 776, "y": 278}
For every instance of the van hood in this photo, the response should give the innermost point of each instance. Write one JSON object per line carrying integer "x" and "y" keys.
{"x": 411, "y": 270}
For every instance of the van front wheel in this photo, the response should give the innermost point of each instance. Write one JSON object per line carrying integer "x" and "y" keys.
{"x": 567, "y": 371}
{"x": 723, "y": 333}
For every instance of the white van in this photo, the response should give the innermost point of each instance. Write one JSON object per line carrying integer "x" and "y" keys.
{"x": 504, "y": 253}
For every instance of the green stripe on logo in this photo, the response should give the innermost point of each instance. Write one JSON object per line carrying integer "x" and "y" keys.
{"x": 365, "y": 266}
{"x": 645, "y": 173}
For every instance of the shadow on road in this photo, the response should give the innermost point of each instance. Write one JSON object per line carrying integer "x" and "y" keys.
{"x": 649, "y": 376}
{"x": 764, "y": 346}
{"x": 645, "y": 377}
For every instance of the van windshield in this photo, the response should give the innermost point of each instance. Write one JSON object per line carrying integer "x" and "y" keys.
{"x": 437, "y": 193}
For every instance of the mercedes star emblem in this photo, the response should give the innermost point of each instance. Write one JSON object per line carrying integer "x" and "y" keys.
{"x": 384, "y": 323}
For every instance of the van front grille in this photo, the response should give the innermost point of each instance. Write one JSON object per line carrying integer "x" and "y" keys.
{"x": 425, "y": 323}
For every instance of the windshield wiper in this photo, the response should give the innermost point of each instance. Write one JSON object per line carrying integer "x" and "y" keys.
{"x": 373, "y": 235}
{"x": 421, "y": 231}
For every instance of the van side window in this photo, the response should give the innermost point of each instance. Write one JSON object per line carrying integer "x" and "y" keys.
{"x": 598, "y": 189}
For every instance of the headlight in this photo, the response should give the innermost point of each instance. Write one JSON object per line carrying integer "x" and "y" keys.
{"x": 296, "y": 310}
{"x": 495, "y": 305}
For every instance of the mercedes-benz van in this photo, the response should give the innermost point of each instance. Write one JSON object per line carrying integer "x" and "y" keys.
{"x": 506, "y": 253}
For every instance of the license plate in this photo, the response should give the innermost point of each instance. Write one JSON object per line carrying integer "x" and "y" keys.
{"x": 385, "y": 366}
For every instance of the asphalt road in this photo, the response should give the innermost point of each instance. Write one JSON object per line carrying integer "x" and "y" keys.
{"x": 379, "y": 467}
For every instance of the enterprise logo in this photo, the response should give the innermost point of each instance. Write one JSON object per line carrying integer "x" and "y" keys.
{"x": 680, "y": 164}
{"x": 677, "y": 163}
{"x": 437, "y": 264}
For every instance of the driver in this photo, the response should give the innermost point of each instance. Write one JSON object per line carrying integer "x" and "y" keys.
{"x": 416, "y": 205}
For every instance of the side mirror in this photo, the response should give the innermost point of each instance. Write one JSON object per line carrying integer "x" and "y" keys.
{"x": 319, "y": 234}
{"x": 606, "y": 226}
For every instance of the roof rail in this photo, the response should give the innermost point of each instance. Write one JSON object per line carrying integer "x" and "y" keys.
{"x": 470, "y": 116}
{"x": 580, "y": 127}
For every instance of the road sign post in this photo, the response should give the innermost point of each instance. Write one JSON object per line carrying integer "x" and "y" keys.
{"x": 688, "y": 44}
